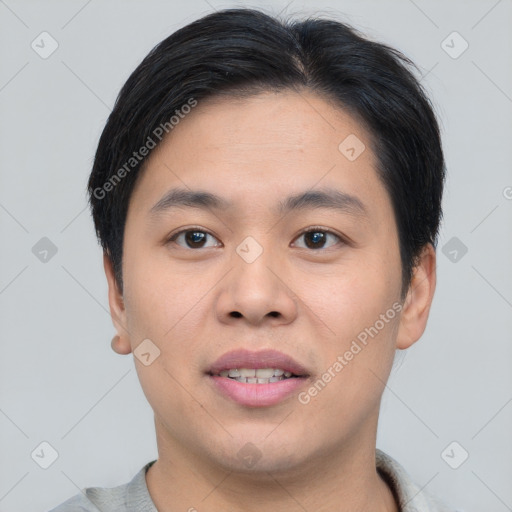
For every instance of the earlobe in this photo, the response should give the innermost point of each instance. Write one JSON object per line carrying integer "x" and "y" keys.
{"x": 419, "y": 299}
{"x": 121, "y": 342}
{"x": 119, "y": 345}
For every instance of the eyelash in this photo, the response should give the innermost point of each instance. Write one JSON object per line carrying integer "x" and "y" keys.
{"x": 312, "y": 229}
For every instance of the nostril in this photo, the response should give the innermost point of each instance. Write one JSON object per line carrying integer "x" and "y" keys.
{"x": 237, "y": 314}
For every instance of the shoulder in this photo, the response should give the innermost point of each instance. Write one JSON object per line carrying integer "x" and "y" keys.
{"x": 410, "y": 496}
{"x": 132, "y": 496}
{"x": 78, "y": 503}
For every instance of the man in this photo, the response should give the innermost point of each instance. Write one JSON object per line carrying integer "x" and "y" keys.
{"x": 268, "y": 198}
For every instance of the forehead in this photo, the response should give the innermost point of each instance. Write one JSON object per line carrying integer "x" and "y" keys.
{"x": 283, "y": 122}
{"x": 263, "y": 148}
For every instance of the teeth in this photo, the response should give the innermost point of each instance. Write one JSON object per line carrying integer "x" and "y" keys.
{"x": 256, "y": 376}
{"x": 255, "y": 380}
{"x": 264, "y": 373}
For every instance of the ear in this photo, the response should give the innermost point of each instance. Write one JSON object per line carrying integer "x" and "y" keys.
{"x": 418, "y": 300}
{"x": 121, "y": 342}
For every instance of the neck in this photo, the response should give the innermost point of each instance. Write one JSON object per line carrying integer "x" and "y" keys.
{"x": 342, "y": 480}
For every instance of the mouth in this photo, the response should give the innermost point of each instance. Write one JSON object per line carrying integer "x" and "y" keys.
{"x": 257, "y": 379}
{"x": 257, "y": 375}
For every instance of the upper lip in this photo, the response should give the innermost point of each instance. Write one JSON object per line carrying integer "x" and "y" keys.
{"x": 262, "y": 359}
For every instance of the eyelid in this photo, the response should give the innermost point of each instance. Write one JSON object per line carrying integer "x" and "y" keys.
{"x": 172, "y": 237}
{"x": 312, "y": 229}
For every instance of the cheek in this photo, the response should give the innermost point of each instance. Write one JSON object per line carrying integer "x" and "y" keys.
{"x": 162, "y": 305}
{"x": 353, "y": 295}
{"x": 168, "y": 306}
{"x": 357, "y": 349}
{"x": 358, "y": 307}
{"x": 157, "y": 295}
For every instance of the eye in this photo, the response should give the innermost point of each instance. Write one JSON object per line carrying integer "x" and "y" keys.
{"x": 193, "y": 238}
{"x": 316, "y": 238}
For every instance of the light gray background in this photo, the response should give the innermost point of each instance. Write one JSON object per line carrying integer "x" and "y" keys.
{"x": 61, "y": 382}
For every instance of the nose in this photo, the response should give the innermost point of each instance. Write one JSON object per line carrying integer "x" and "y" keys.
{"x": 257, "y": 291}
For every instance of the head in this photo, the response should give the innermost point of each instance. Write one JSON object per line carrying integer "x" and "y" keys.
{"x": 324, "y": 156}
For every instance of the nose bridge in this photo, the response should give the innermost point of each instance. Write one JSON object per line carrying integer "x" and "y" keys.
{"x": 252, "y": 261}
{"x": 250, "y": 249}
{"x": 256, "y": 290}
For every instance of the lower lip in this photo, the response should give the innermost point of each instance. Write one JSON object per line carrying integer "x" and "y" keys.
{"x": 257, "y": 395}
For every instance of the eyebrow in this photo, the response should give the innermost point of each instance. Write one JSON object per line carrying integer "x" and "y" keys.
{"x": 326, "y": 198}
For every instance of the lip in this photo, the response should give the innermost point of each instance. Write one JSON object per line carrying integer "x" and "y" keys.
{"x": 262, "y": 359}
{"x": 257, "y": 395}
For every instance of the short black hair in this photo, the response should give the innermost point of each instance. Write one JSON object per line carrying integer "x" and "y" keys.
{"x": 240, "y": 52}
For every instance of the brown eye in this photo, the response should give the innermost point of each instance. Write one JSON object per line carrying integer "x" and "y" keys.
{"x": 318, "y": 238}
{"x": 193, "y": 238}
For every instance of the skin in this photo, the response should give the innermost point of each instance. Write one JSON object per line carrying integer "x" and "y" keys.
{"x": 254, "y": 152}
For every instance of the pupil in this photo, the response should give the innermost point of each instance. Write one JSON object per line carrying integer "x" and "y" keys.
{"x": 316, "y": 237}
{"x": 195, "y": 237}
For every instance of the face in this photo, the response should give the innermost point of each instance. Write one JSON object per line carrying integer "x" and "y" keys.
{"x": 315, "y": 280}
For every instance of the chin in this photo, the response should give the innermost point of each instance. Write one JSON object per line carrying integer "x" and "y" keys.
{"x": 262, "y": 452}
{"x": 262, "y": 463}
